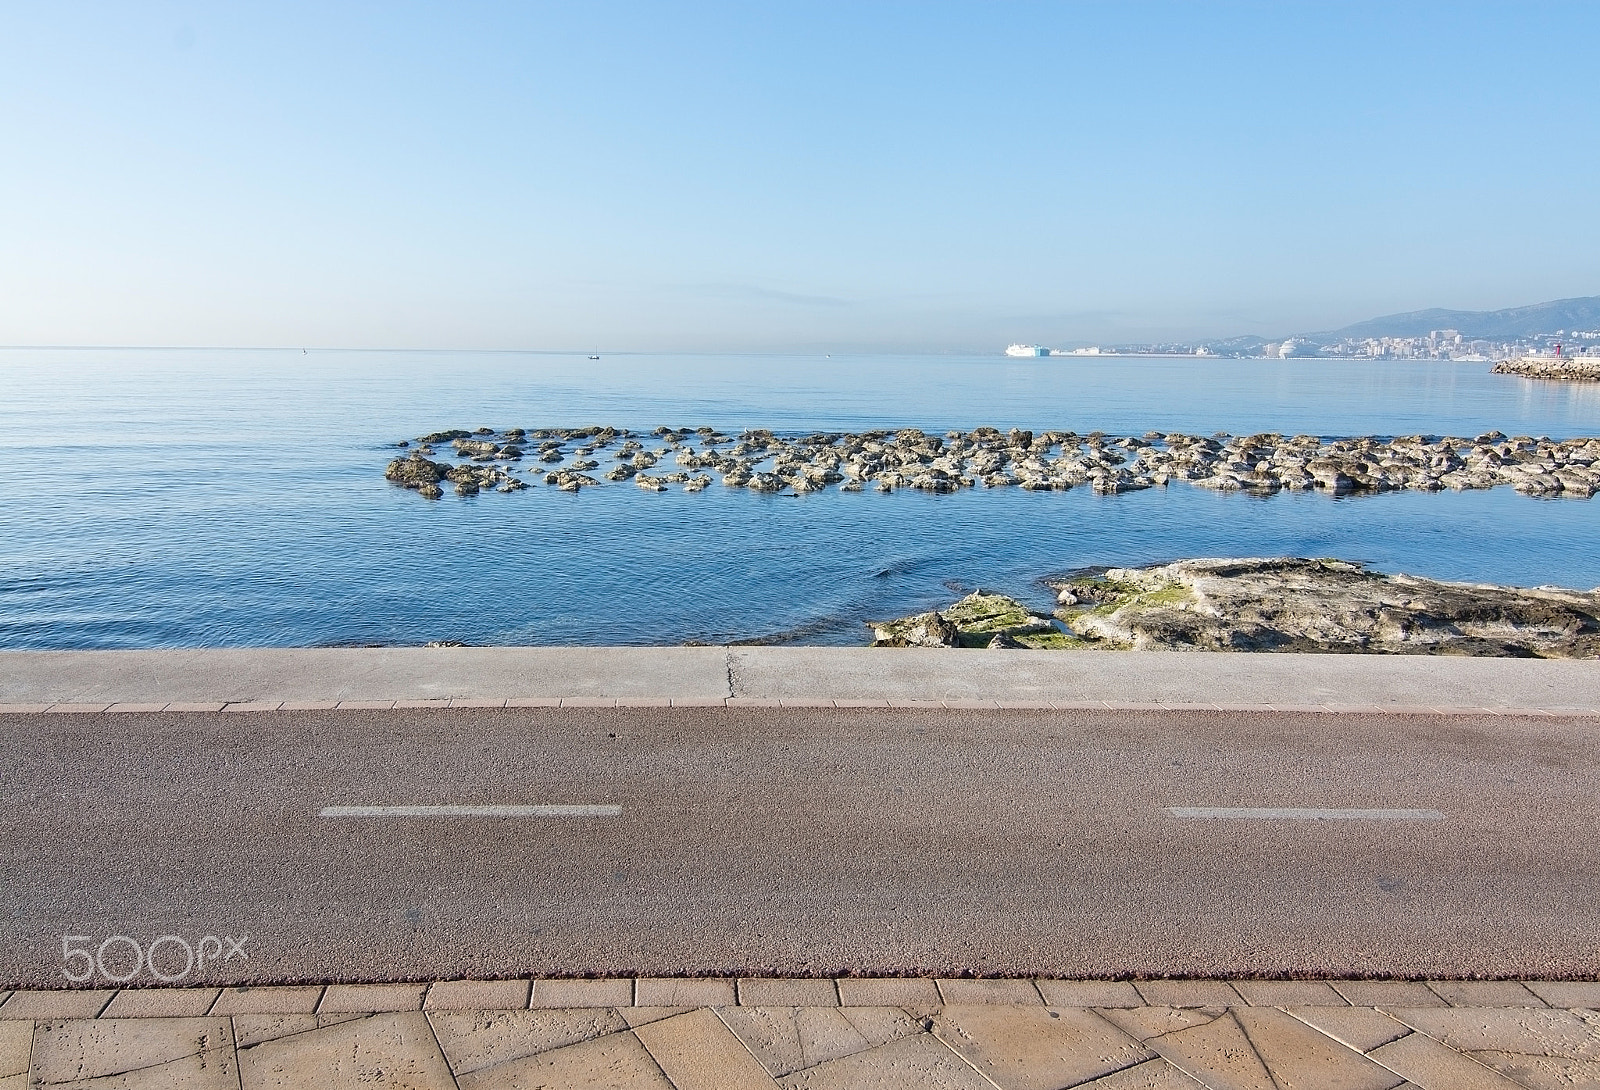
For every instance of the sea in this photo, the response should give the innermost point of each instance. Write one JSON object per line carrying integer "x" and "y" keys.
{"x": 180, "y": 498}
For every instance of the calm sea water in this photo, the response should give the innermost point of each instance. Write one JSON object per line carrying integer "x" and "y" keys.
{"x": 214, "y": 498}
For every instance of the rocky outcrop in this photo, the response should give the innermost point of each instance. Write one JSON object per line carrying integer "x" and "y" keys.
{"x": 978, "y": 620}
{"x": 1293, "y": 604}
{"x": 762, "y": 461}
{"x": 1272, "y": 604}
{"x": 1568, "y": 368}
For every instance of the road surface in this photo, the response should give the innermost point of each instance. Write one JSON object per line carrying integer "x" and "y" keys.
{"x": 370, "y": 845}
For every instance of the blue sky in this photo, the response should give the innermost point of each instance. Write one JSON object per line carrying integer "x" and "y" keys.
{"x": 769, "y": 176}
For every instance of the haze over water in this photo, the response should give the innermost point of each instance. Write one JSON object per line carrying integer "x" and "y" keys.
{"x": 219, "y": 497}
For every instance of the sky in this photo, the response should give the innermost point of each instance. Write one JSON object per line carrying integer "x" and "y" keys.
{"x": 784, "y": 176}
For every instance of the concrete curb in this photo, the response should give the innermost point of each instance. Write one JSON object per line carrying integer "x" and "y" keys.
{"x": 735, "y": 702}
{"x": 572, "y": 993}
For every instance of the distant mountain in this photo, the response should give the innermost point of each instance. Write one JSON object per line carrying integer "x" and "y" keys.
{"x": 1505, "y": 324}
{"x": 1246, "y": 345}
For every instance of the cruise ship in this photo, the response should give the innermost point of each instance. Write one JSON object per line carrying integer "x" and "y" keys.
{"x": 1027, "y": 350}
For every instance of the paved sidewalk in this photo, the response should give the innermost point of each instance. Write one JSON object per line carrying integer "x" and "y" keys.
{"x": 269, "y": 678}
{"x": 700, "y": 1034}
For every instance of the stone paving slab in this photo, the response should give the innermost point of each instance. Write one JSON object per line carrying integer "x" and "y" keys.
{"x": 268, "y": 679}
{"x": 824, "y": 1033}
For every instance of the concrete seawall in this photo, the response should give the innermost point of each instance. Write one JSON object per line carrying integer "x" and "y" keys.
{"x": 258, "y": 678}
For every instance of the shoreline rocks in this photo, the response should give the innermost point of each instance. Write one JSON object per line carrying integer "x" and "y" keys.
{"x": 1299, "y": 604}
{"x": 1276, "y": 604}
{"x": 1565, "y": 368}
{"x": 1262, "y": 464}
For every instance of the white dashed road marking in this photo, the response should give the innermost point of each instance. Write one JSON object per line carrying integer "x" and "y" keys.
{"x": 470, "y": 811}
{"x": 1298, "y": 813}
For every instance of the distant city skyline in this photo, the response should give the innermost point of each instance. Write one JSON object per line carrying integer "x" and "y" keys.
{"x": 943, "y": 177}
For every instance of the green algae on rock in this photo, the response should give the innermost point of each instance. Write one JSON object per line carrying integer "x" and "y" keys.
{"x": 978, "y": 620}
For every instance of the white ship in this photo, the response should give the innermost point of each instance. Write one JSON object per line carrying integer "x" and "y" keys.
{"x": 1027, "y": 350}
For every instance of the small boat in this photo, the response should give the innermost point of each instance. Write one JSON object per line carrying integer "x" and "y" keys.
{"x": 594, "y": 357}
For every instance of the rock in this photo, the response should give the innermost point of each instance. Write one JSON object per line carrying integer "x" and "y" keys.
{"x": 922, "y": 630}
{"x": 415, "y": 471}
{"x": 975, "y": 621}
{"x": 1296, "y": 604}
{"x": 980, "y": 617}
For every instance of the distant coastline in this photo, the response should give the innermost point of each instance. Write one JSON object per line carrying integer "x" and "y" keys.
{"x": 1569, "y": 327}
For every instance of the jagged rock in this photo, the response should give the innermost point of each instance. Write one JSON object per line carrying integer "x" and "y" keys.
{"x": 1295, "y": 604}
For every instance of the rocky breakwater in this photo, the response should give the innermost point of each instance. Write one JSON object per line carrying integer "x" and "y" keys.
{"x": 1569, "y": 368}
{"x": 884, "y": 461}
{"x": 1276, "y": 604}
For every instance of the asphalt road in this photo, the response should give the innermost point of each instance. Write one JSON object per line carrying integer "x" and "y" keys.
{"x": 796, "y": 841}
